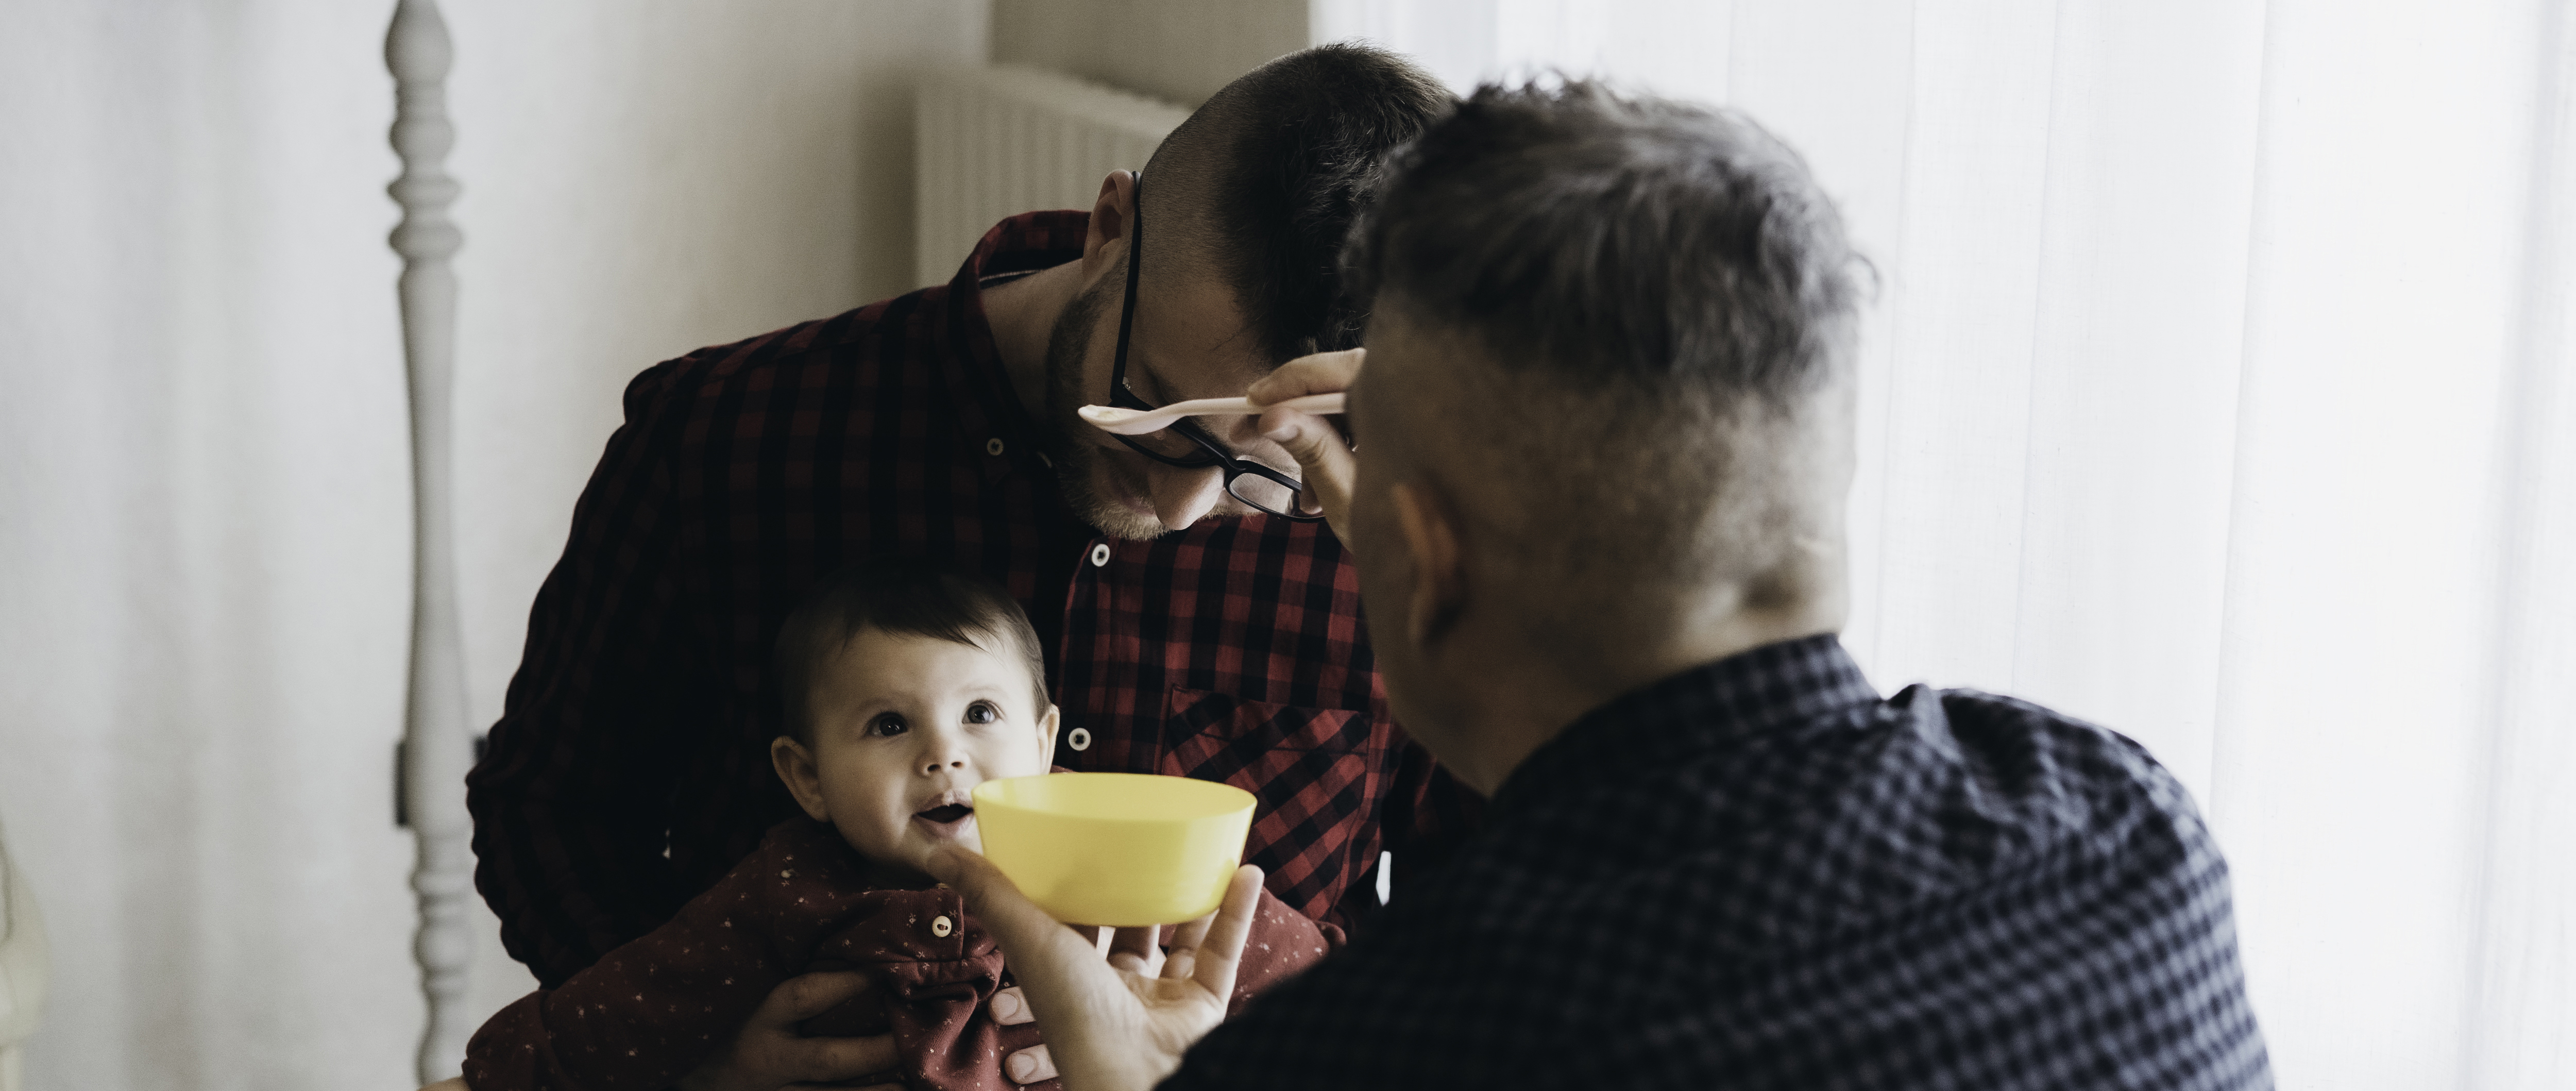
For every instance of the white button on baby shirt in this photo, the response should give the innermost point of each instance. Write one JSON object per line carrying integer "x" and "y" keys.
{"x": 993, "y": 446}
{"x": 940, "y": 926}
{"x": 1099, "y": 555}
{"x": 1078, "y": 738}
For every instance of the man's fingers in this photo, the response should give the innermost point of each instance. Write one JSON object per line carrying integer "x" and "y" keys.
{"x": 1322, "y": 457}
{"x": 1324, "y": 462}
{"x": 768, "y": 1051}
{"x": 831, "y": 1060}
{"x": 1185, "y": 944}
{"x": 1321, "y": 373}
{"x": 1024, "y": 930}
{"x": 1010, "y": 1007}
{"x": 1308, "y": 439}
{"x": 1030, "y": 1065}
{"x": 1109, "y": 1039}
{"x": 1193, "y": 933}
{"x": 1056, "y": 965}
{"x": 1135, "y": 950}
{"x": 802, "y": 998}
{"x": 1213, "y": 961}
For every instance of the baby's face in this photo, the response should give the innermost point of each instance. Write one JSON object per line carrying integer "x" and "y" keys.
{"x": 905, "y": 727}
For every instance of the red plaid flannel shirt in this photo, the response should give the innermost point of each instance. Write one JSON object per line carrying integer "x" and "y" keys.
{"x": 630, "y": 769}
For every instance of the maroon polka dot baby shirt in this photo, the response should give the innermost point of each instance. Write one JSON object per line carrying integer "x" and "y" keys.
{"x": 658, "y": 1007}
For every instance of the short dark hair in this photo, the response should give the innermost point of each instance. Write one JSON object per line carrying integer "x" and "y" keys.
{"x": 900, "y": 596}
{"x": 1661, "y": 295}
{"x": 1615, "y": 240}
{"x": 1261, "y": 184}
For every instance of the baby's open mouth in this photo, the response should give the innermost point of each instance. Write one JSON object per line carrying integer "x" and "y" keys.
{"x": 946, "y": 813}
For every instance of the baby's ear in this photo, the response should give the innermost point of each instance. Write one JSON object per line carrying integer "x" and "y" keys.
{"x": 1046, "y": 739}
{"x": 795, "y": 765}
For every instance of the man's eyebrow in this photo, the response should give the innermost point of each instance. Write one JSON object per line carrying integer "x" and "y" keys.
{"x": 1138, "y": 366}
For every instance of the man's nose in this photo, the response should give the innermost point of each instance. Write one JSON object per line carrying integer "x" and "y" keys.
{"x": 1182, "y": 497}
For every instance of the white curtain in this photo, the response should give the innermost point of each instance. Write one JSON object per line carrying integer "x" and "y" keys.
{"x": 2222, "y": 390}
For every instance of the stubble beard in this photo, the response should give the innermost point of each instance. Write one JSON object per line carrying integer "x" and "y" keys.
{"x": 1078, "y": 465}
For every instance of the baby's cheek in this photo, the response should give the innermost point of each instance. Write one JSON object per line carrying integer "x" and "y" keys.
{"x": 858, "y": 832}
{"x": 869, "y": 829}
{"x": 1028, "y": 761}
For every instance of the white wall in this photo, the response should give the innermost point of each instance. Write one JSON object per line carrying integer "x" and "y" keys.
{"x": 1176, "y": 50}
{"x": 203, "y": 511}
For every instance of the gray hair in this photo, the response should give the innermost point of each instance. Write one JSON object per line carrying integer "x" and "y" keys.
{"x": 1661, "y": 289}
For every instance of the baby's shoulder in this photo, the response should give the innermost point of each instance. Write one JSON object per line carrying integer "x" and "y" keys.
{"x": 802, "y": 876}
{"x": 804, "y": 846}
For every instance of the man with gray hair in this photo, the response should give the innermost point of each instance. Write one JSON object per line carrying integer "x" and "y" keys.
{"x": 1607, "y": 409}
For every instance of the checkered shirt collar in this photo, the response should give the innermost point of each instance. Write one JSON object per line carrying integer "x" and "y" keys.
{"x": 1734, "y": 698}
{"x": 1021, "y": 244}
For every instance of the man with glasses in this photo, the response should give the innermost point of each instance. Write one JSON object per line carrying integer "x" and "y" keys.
{"x": 1263, "y": 488}
{"x": 1198, "y": 620}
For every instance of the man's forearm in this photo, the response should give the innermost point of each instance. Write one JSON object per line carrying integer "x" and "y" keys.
{"x": 571, "y": 798}
{"x": 557, "y": 916}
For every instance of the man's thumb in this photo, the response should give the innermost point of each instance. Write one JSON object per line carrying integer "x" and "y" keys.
{"x": 949, "y": 865}
{"x": 1302, "y": 435}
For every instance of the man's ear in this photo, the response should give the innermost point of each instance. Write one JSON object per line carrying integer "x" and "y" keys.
{"x": 1111, "y": 213}
{"x": 795, "y": 765}
{"x": 1439, "y": 569}
{"x": 1046, "y": 739}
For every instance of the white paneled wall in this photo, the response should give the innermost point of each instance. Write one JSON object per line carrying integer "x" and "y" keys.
{"x": 1179, "y": 50}
{"x": 992, "y": 142}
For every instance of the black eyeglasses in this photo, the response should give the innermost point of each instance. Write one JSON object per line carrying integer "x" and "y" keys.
{"x": 1267, "y": 490}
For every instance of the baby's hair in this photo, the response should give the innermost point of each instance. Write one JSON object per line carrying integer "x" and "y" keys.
{"x": 901, "y": 597}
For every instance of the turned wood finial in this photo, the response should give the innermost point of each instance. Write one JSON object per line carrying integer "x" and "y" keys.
{"x": 437, "y": 738}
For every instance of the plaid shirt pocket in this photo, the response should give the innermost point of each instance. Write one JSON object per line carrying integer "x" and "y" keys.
{"x": 1316, "y": 772}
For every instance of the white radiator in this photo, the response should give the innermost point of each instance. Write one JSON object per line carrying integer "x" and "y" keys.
{"x": 996, "y": 141}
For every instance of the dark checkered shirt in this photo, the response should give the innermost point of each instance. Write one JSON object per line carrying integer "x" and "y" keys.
{"x": 631, "y": 770}
{"x": 1757, "y": 874}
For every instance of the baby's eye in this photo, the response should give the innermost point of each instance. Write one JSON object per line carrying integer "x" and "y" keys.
{"x": 888, "y": 726}
{"x": 982, "y": 712}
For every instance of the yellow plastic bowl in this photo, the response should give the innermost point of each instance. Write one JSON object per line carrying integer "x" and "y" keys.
{"x": 1116, "y": 849}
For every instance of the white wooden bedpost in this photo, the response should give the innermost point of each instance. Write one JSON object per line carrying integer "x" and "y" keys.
{"x": 437, "y": 740}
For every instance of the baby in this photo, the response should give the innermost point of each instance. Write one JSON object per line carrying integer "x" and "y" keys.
{"x": 905, "y": 687}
